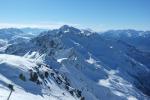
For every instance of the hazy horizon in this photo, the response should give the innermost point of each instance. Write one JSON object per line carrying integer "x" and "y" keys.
{"x": 99, "y": 15}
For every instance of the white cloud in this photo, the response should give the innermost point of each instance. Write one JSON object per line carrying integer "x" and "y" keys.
{"x": 39, "y": 25}
{"x": 42, "y": 25}
{"x": 47, "y": 25}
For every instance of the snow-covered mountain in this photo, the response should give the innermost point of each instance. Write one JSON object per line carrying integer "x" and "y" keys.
{"x": 23, "y": 33}
{"x": 139, "y": 39}
{"x": 9, "y": 36}
{"x": 33, "y": 31}
{"x": 74, "y": 64}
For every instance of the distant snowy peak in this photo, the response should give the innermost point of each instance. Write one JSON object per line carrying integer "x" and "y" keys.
{"x": 73, "y": 30}
{"x": 11, "y": 30}
{"x": 9, "y": 33}
{"x": 138, "y": 39}
{"x": 127, "y": 33}
{"x": 69, "y": 29}
{"x": 87, "y": 32}
{"x": 33, "y": 31}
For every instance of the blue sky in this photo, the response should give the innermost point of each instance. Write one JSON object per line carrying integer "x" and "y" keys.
{"x": 96, "y": 14}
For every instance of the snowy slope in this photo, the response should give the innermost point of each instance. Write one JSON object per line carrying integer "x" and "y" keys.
{"x": 101, "y": 68}
{"x": 12, "y": 66}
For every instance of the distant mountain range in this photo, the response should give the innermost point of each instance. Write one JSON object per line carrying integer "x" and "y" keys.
{"x": 74, "y": 64}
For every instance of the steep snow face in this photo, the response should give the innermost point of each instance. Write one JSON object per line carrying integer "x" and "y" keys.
{"x": 97, "y": 66}
{"x": 44, "y": 83}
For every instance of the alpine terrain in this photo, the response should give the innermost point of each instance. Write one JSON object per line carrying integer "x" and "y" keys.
{"x": 74, "y": 64}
